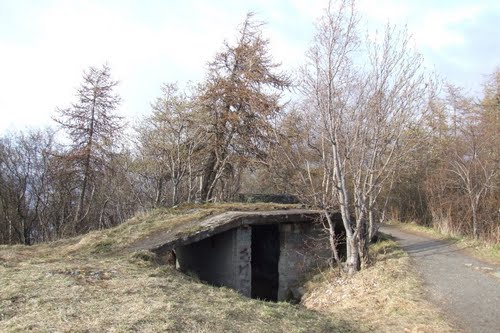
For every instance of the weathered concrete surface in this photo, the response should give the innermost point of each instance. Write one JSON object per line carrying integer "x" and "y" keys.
{"x": 243, "y": 260}
{"x": 222, "y": 259}
{"x": 467, "y": 292}
{"x": 194, "y": 231}
{"x": 219, "y": 250}
{"x": 302, "y": 249}
{"x": 275, "y": 198}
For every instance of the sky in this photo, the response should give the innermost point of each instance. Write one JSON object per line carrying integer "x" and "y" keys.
{"x": 46, "y": 44}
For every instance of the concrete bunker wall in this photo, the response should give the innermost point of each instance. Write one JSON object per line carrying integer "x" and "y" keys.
{"x": 303, "y": 247}
{"x": 225, "y": 259}
{"x": 222, "y": 259}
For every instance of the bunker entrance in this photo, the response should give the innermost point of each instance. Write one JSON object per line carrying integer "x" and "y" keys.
{"x": 265, "y": 259}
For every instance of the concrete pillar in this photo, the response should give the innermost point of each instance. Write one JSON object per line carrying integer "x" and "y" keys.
{"x": 243, "y": 259}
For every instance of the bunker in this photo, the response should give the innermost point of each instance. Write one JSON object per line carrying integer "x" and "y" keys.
{"x": 262, "y": 255}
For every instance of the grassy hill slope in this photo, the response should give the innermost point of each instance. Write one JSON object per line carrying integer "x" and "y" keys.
{"x": 96, "y": 283}
{"x": 91, "y": 284}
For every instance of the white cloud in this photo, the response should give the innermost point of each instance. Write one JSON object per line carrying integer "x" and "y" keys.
{"x": 71, "y": 36}
{"x": 43, "y": 50}
{"x": 438, "y": 29}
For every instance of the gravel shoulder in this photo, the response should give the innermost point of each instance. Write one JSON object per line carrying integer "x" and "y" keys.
{"x": 466, "y": 289}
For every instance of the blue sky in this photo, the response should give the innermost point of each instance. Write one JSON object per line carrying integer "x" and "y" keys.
{"x": 46, "y": 44}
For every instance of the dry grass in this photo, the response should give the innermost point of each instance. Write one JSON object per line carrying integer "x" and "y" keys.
{"x": 98, "y": 243}
{"x": 386, "y": 297}
{"x": 132, "y": 295}
{"x": 83, "y": 285}
{"x": 164, "y": 220}
{"x": 86, "y": 284}
{"x": 488, "y": 252}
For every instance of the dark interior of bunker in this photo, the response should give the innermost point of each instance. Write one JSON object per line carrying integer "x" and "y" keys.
{"x": 265, "y": 261}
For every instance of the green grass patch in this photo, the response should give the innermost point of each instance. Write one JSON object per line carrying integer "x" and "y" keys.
{"x": 103, "y": 247}
{"x": 385, "y": 248}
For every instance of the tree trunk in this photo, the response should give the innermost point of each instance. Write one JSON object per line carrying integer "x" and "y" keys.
{"x": 333, "y": 239}
{"x": 159, "y": 191}
{"x": 475, "y": 229}
{"x": 373, "y": 225}
{"x": 208, "y": 178}
{"x": 175, "y": 191}
{"x": 190, "y": 179}
{"x": 101, "y": 215}
{"x": 363, "y": 242}
{"x": 27, "y": 235}
{"x": 352, "y": 262}
{"x": 86, "y": 170}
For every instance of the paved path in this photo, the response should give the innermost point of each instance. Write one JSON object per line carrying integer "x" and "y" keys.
{"x": 466, "y": 289}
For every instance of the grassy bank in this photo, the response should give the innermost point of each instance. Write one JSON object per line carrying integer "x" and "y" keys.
{"x": 484, "y": 251}
{"x": 385, "y": 297}
{"x": 91, "y": 283}
{"x": 86, "y": 284}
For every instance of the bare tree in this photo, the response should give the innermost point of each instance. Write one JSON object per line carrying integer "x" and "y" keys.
{"x": 168, "y": 141}
{"x": 329, "y": 85}
{"x": 366, "y": 114}
{"x": 395, "y": 103}
{"x": 26, "y": 194}
{"x": 474, "y": 161}
{"x": 451, "y": 181}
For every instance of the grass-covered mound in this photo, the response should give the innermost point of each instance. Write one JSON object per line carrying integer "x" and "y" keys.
{"x": 104, "y": 282}
{"x": 92, "y": 283}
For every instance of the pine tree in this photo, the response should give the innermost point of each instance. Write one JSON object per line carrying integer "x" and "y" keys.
{"x": 93, "y": 127}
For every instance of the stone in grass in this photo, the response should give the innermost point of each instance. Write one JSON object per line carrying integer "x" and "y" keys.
{"x": 488, "y": 269}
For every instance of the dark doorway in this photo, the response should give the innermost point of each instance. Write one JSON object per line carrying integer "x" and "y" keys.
{"x": 265, "y": 258}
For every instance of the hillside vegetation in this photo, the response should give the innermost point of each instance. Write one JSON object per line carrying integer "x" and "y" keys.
{"x": 387, "y": 296}
{"x": 92, "y": 283}
{"x": 87, "y": 284}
